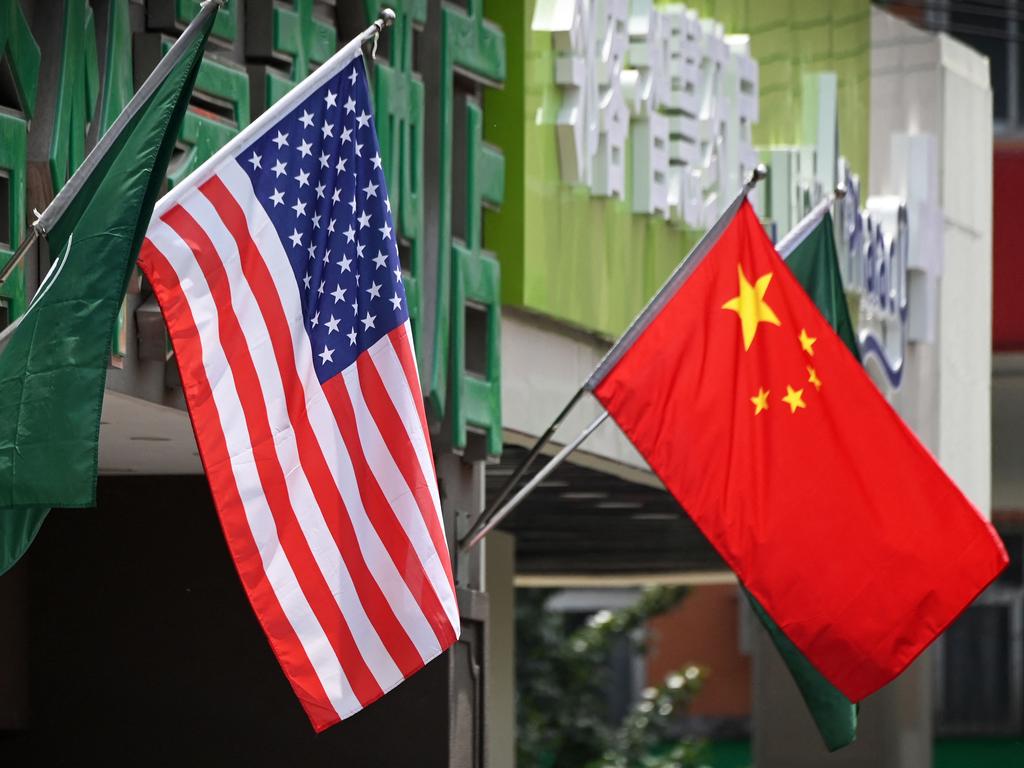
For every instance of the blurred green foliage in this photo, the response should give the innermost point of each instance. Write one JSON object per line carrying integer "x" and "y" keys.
{"x": 562, "y": 683}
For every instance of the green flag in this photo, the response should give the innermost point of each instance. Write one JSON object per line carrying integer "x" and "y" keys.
{"x": 814, "y": 263}
{"x": 53, "y": 363}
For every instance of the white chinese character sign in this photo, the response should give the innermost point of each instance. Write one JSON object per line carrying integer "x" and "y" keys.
{"x": 663, "y": 84}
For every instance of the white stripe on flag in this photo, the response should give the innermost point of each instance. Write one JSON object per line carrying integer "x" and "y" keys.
{"x": 308, "y": 512}
{"x": 322, "y": 420}
{"x": 280, "y": 574}
{"x": 397, "y": 491}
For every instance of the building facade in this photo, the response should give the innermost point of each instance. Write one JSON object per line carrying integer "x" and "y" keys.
{"x": 549, "y": 162}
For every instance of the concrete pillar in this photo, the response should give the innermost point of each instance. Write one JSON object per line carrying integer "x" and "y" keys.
{"x": 894, "y": 727}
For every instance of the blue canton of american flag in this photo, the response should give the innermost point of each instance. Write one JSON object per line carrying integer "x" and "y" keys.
{"x": 318, "y": 174}
{"x": 277, "y": 272}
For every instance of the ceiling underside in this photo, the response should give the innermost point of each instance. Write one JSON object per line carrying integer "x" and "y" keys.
{"x": 582, "y": 521}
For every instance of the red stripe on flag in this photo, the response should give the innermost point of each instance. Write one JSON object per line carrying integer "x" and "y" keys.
{"x": 217, "y": 463}
{"x": 403, "y": 349}
{"x": 384, "y": 520}
{"x": 296, "y": 546}
{"x": 390, "y": 630}
{"x": 399, "y": 444}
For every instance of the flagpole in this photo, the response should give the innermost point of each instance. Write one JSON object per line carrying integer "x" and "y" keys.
{"x": 71, "y": 188}
{"x": 283, "y": 106}
{"x": 495, "y": 519}
{"x": 796, "y": 235}
{"x": 524, "y": 465}
{"x": 491, "y": 516}
{"x": 18, "y": 255}
{"x": 45, "y": 220}
{"x": 679, "y": 276}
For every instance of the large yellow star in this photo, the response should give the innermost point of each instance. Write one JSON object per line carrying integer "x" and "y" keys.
{"x": 751, "y": 306}
{"x": 760, "y": 400}
{"x": 794, "y": 399}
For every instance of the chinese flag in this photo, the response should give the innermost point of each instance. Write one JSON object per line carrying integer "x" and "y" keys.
{"x": 766, "y": 429}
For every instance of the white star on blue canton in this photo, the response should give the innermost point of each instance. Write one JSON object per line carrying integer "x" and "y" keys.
{"x": 326, "y": 191}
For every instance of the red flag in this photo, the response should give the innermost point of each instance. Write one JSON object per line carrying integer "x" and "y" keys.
{"x": 763, "y": 426}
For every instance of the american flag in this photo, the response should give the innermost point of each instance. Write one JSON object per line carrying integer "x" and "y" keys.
{"x": 276, "y": 267}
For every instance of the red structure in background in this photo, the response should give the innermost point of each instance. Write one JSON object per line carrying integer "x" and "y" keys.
{"x": 1008, "y": 247}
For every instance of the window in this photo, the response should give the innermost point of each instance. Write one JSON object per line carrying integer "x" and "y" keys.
{"x": 994, "y": 28}
{"x": 980, "y": 659}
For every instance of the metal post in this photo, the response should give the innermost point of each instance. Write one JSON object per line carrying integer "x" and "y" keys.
{"x": 18, "y": 255}
{"x": 547, "y": 469}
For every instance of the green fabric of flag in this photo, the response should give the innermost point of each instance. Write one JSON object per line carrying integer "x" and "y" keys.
{"x": 815, "y": 265}
{"x": 53, "y": 367}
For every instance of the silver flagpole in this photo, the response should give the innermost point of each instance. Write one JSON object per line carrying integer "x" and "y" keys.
{"x": 796, "y": 235}
{"x": 534, "y": 481}
{"x": 78, "y": 179}
{"x": 492, "y": 515}
{"x": 18, "y": 255}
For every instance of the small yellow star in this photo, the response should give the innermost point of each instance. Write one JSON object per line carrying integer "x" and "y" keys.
{"x": 807, "y": 342}
{"x": 812, "y": 377}
{"x": 760, "y": 400}
{"x": 750, "y": 305}
{"x": 794, "y": 399}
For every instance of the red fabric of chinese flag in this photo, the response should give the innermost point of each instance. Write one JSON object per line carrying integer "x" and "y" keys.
{"x": 763, "y": 426}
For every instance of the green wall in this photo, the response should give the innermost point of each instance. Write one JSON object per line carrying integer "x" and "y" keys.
{"x": 590, "y": 261}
